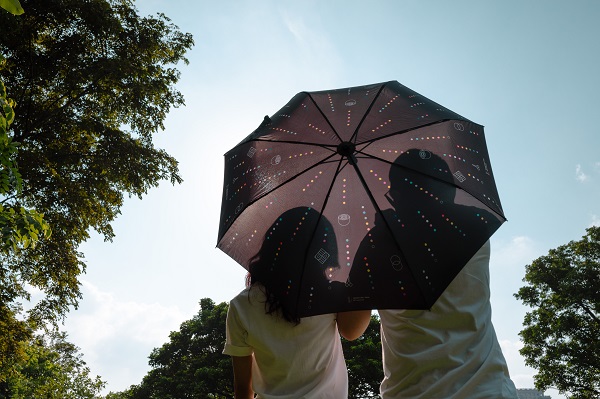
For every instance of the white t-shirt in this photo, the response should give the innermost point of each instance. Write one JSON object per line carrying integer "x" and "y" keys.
{"x": 290, "y": 361}
{"x": 448, "y": 352}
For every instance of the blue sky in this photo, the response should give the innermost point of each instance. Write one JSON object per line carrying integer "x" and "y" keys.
{"x": 526, "y": 70}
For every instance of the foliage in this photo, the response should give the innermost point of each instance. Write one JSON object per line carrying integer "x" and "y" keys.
{"x": 88, "y": 111}
{"x": 363, "y": 359}
{"x": 13, "y": 332}
{"x": 127, "y": 394}
{"x": 19, "y": 227}
{"x": 12, "y": 6}
{"x": 191, "y": 364}
{"x": 51, "y": 368}
{"x": 561, "y": 332}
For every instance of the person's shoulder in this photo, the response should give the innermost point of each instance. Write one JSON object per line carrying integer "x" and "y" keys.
{"x": 241, "y": 295}
{"x": 252, "y": 293}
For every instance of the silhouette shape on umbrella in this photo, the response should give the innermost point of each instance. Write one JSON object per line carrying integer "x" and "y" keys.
{"x": 300, "y": 246}
{"x": 426, "y": 212}
{"x": 358, "y": 157}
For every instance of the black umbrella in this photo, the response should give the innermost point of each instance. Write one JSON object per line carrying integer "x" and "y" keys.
{"x": 359, "y": 198}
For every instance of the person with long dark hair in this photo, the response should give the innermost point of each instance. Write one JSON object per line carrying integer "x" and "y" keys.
{"x": 275, "y": 353}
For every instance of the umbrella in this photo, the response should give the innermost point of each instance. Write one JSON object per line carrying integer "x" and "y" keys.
{"x": 366, "y": 197}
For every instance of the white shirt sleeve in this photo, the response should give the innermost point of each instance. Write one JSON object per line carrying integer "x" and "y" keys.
{"x": 235, "y": 343}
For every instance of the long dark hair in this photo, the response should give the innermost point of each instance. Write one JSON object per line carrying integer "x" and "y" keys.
{"x": 273, "y": 305}
{"x": 285, "y": 254}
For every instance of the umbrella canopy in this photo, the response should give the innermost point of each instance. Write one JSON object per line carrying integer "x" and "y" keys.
{"x": 359, "y": 198}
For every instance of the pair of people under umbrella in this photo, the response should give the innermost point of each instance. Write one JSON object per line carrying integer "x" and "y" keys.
{"x": 448, "y": 351}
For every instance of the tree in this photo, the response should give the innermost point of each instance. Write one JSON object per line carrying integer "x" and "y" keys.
{"x": 191, "y": 364}
{"x": 363, "y": 359}
{"x": 561, "y": 332}
{"x": 93, "y": 82}
{"x": 52, "y": 368}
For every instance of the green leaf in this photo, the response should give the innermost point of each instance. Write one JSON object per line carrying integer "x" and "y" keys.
{"x": 12, "y": 6}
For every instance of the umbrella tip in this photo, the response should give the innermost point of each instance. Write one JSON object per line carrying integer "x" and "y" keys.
{"x": 266, "y": 121}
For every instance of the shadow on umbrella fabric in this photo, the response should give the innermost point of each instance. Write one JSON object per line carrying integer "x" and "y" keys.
{"x": 298, "y": 249}
{"x": 420, "y": 243}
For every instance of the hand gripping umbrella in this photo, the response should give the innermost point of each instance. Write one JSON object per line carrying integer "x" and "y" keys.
{"x": 358, "y": 198}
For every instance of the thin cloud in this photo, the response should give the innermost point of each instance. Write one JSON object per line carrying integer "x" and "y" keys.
{"x": 143, "y": 322}
{"x": 519, "y": 251}
{"x": 296, "y": 28}
{"x": 521, "y": 374}
{"x": 595, "y": 221}
{"x": 110, "y": 327}
{"x": 314, "y": 50}
{"x": 507, "y": 268}
{"x": 579, "y": 174}
{"x": 306, "y": 37}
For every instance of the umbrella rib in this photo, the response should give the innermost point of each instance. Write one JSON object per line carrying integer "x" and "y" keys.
{"x": 325, "y": 160}
{"x": 387, "y": 226}
{"x": 355, "y": 134}
{"x": 430, "y": 177}
{"x": 331, "y": 147}
{"x": 319, "y": 220}
{"x": 324, "y": 117}
{"x": 368, "y": 142}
